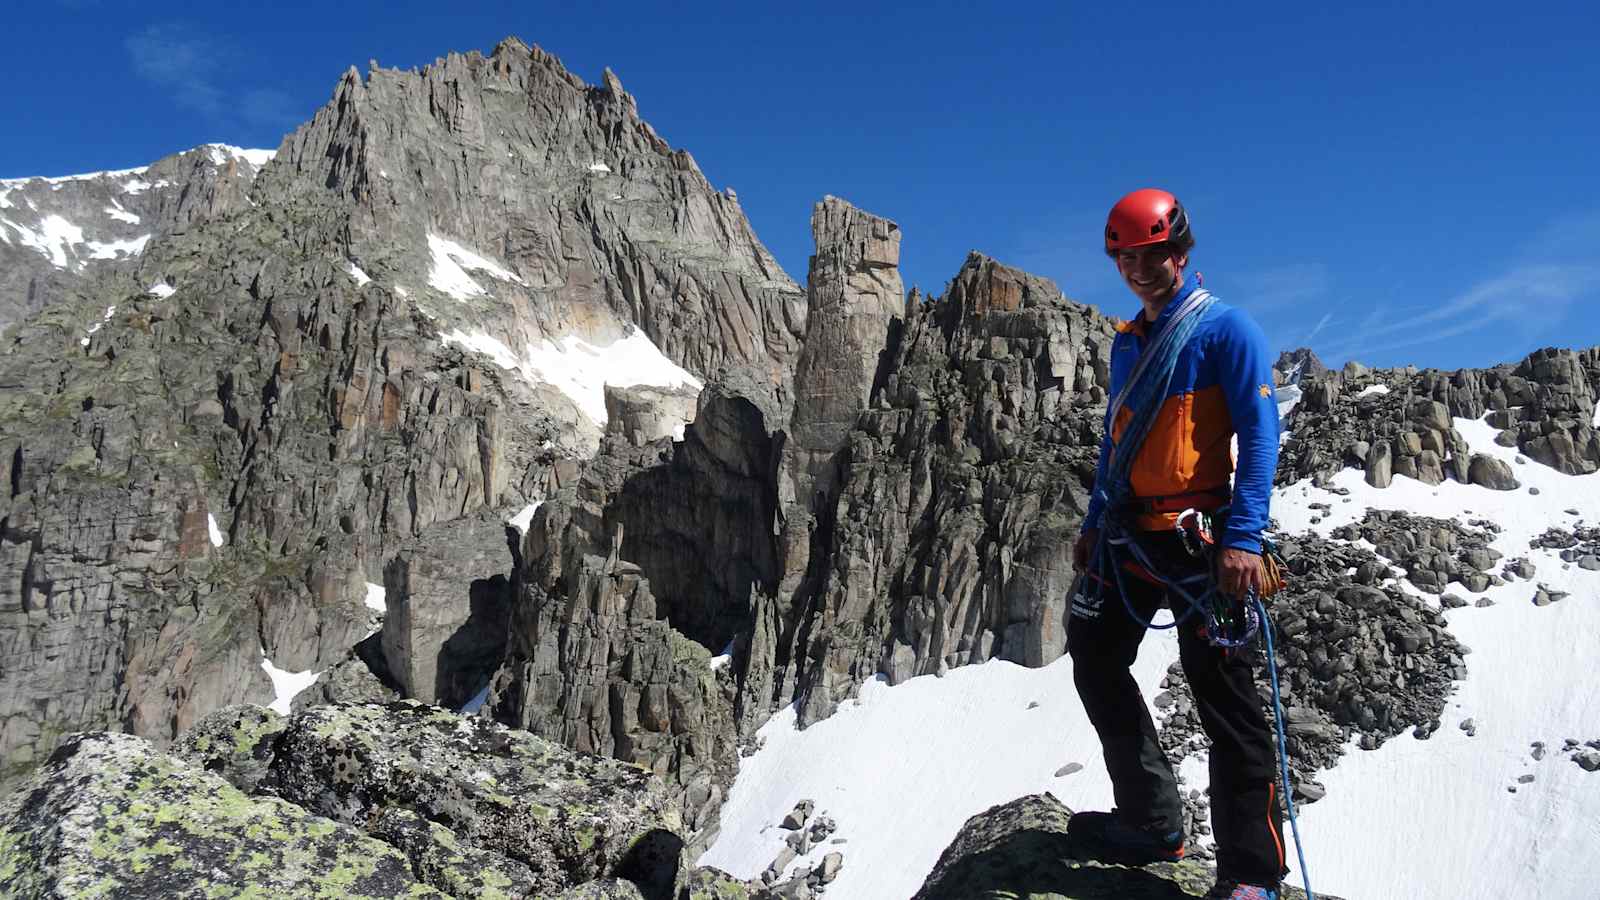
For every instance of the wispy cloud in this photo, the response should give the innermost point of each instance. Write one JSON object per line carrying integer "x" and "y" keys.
{"x": 197, "y": 69}
{"x": 1523, "y": 302}
{"x": 1528, "y": 297}
{"x": 1316, "y": 329}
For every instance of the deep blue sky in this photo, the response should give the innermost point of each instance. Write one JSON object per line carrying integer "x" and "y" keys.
{"x": 1398, "y": 183}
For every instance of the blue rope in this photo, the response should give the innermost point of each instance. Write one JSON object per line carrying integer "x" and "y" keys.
{"x": 1283, "y": 748}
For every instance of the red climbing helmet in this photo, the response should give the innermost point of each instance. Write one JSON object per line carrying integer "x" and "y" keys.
{"x": 1148, "y": 216}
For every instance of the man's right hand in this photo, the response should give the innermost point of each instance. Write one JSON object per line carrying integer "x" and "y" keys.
{"x": 1083, "y": 547}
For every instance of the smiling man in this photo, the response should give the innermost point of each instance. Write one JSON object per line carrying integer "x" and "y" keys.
{"x": 1166, "y": 527}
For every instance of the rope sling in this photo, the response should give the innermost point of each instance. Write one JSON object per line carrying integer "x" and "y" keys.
{"x": 1227, "y": 625}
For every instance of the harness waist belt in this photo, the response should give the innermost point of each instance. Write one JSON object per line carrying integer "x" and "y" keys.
{"x": 1204, "y": 501}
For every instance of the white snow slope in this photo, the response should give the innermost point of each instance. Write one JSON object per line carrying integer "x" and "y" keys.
{"x": 581, "y": 370}
{"x": 901, "y": 768}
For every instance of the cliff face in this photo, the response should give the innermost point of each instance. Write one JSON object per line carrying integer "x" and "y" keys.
{"x": 209, "y": 449}
{"x": 907, "y": 508}
{"x": 57, "y": 235}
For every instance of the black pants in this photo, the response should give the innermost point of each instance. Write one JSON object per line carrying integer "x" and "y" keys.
{"x": 1103, "y": 641}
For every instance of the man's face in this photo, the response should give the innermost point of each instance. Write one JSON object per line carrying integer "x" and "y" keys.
{"x": 1150, "y": 272}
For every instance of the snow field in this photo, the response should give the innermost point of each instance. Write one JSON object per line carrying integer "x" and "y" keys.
{"x": 1438, "y": 816}
{"x": 900, "y": 769}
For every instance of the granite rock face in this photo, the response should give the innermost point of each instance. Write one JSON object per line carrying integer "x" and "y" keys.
{"x": 449, "y": 607}
{"x": 599, "y": 221}
{"x": 592, "y": 663}
{"x": 960, "y": 490}
{"x": 299, "y": 381}
{"x": 58, "y": 234}
{"x": 930, "y": 532}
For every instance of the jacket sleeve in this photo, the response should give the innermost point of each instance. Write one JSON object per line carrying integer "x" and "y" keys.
{"x": 1244, "y": 371}
{"x": 1091, "y": 517}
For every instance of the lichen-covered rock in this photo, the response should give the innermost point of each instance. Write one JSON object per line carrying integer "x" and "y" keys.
{"x": 604, "y": 889}
{"x": 566, "y": 817}
{"x": 1020, "y": 851}
{"x": 714, "y": 884}
{"x": 442, "y": 859}
{"x": 236, "y": 742}
{"x": 107, "y": 815}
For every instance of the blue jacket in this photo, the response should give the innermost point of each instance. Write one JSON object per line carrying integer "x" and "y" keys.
{"x": 1222, "y": 387}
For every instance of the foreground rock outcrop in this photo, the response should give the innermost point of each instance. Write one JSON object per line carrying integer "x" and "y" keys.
{"x": 382, "y": 801}
{"x": 107, "y": 815}
{"x": 1020, "y": 851}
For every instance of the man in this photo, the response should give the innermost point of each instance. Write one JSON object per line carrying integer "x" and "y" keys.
{"x": 1220, "y": 386}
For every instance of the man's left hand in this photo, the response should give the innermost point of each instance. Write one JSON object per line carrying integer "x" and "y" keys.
{"x": 1238, "y": 571}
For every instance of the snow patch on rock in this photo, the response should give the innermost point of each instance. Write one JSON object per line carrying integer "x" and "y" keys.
{"x": 117, "y": 249}
{"x": 285, "y": 684}
{"x": 522, "y": 520}
{"x": 582, "y": 370}
{"x": 54, "y": 239}
{"x": 375, "y": 599}
{"x": 217, "y": 538}
{"x": 450, "y": 264}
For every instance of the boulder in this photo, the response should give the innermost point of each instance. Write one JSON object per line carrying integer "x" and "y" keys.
{"x": 1020, "y": 850}
{"x": 1492, "y": 473}
{"x": 528, "y": 804}
{"x": 108, "y": 815}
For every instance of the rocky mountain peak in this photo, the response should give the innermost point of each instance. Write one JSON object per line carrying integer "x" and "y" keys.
{"x": 58, "y": 234}
{"x": 514, "y": 202}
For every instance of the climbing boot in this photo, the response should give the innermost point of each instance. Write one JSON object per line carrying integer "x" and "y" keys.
{"x": 1107, "y": 837}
